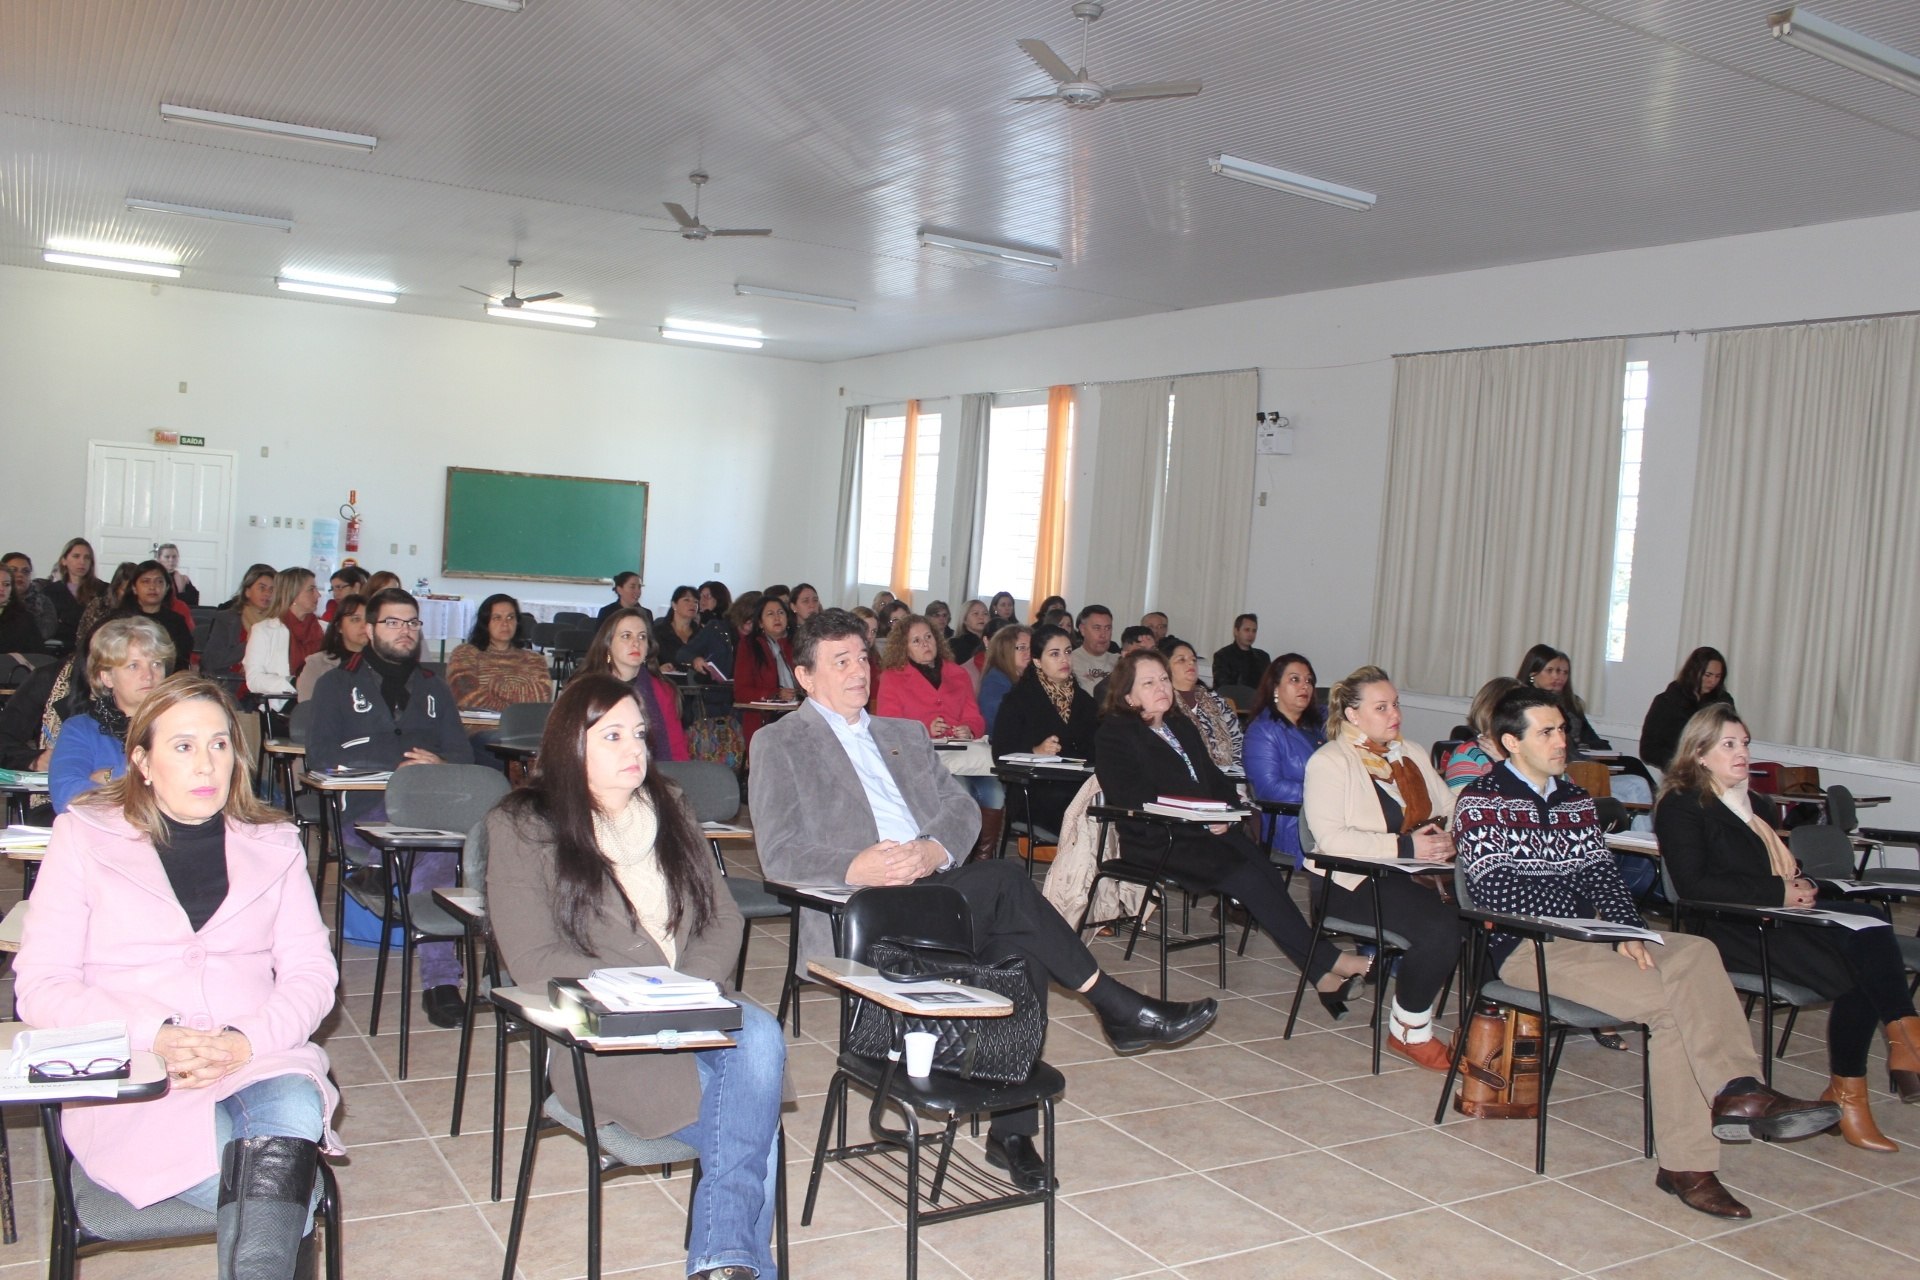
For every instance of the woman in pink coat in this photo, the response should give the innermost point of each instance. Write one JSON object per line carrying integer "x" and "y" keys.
{"x": 924, "y": 683}
{"x": 175, "y": 902}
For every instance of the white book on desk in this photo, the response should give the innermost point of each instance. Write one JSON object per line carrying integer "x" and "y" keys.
{"x": 1845, "y": 919}
{"x": 926, "y": 997}
{"x": 1609, "y": 929}
{"x": 19, "y": 837}
{"x": 1639, "y": 841}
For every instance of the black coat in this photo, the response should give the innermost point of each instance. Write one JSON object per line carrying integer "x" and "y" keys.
{"x": 1715, "y": 857}
{"x": 169, "y": 621}
{"x": 1025, "y": 720}
{"x": 353, "y": 726}
{"x": 1137, "y": 767}
{"x": 21, "y": 715}
{"x": 1667, "y": 716}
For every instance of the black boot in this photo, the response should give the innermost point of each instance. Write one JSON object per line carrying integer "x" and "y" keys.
{"x": 266, "y": 1185}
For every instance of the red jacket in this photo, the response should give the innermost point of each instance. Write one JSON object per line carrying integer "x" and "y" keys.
{"x": 905, "y": 694}
{"x": 756, "y": 678}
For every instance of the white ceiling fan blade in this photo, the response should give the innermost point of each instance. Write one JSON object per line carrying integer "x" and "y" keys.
{"x": 681, "y": 216}
{"x": 482, "y": 292}
{"x": 1047, "y": 60}
{"x": 743, "y": 231}
{"x": 1040, "y": 97}
{"x": 1165, "y": 89}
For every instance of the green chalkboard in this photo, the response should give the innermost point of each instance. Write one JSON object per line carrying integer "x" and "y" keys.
{"x": 513, "y": 524}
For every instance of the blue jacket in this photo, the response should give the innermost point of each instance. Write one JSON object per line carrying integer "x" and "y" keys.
{"x": 993, "y": 687}
{"x": 1275, "y": 757}
{"x": 83, "y": 747}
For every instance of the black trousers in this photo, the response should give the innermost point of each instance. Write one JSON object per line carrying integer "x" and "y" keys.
{"x": 1012, "y": 918}
{"x": 1432, "y": 928}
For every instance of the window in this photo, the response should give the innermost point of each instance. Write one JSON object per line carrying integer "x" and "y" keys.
{"x": 880, "y": 452}
{"x": 1016, "y": 469}
{"x": 1633, "y": 417}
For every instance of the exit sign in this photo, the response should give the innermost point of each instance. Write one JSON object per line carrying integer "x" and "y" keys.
{"x": 196, "y": 442}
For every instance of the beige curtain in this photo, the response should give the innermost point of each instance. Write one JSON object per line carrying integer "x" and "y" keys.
{"x": 1806, "y": 533}
{"x": 1502, "y": 474}
{"x": 1129, "y": 461}
{"x": 1206, "y": 522}
{"x": 846, "y": 529}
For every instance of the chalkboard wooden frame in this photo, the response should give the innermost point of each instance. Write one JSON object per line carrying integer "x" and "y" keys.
{"x": 456, "y": 562}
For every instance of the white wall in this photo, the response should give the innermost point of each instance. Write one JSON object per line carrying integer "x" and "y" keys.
{"x": 1325, "y": 361}
{"x": 345, "y": 397}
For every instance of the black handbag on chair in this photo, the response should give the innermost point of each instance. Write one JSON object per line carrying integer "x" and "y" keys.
{"x": 998, "y": 1049}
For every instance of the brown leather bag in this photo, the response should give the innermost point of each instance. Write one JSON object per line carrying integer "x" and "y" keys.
{"x": 1500, "y": 1070}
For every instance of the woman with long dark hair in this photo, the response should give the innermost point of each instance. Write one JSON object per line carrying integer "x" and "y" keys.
{"x": 598, "y": 862}
{"x": 72, "y": 586}
{"x": 1047, "y": 713}
{"x": 149, "y": 595}
{"x": 763, "y": 666}
{"x": 1280, "y": 741}
{"x": 1549, "y": 670}
{"x": 623, "y": 649}
{"x": 675, "y": 629}
{"x": 347, "y": 634}
{"x": 1000, "y": 612}
{"x": 1702, "y": 681}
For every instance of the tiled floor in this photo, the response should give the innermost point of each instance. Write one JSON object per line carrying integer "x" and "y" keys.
{"x": 1240, "y": 1155}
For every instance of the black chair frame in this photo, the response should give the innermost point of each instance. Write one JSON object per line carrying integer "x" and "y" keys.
{"x": 1157, "y": 881}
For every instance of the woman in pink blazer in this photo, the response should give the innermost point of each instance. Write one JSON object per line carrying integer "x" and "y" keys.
{"x": 924, "y": 683}
{"x": 173, "y": 901}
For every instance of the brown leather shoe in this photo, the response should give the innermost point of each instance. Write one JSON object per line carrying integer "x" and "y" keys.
{"x": 1432, "y": 1054}
{"x": 1856, "y": 1116}
{"x": 1747, "y": 1109}
{"x": 1701, "y": 1192}
{"x": 1903, "y": 1058}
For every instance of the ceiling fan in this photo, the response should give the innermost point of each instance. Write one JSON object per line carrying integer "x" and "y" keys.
{"x": 513, "y": 301}
{"x": 1077, "y": 88}
{"x": 691, "y": 228}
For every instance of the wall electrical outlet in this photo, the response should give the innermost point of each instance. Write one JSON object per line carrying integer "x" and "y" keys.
{"x": 276, "y": 522}
{"x": 413, "y": 548}
{"x": 302, "y": 523}
{"x": 393, "y": 548}
{"x": 254, "y": 521}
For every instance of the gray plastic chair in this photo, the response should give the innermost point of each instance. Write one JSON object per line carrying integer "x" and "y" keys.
{"x": 714, "y": 794}
{"x": 447, "y": 797}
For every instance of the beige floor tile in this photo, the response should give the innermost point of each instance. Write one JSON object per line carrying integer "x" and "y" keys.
{"x": 1690, "y": 1262}
{"x": 1803, "y": 1246}
{"x": 1098, "y": 1153}
{"x": 1884, "y": 1217}
{"x": 640, "y": 1226}
{"x": 1783, "y": 1176}
{"x": 1569, "y": 1149}
{"x": 1568, "y": 1226}
{"x": 375, "y": 1113}
{"x": 1326, "y": 1055}
{"x": 1438, "y": 1245}
{"x": 1009, "y": 1243}
{"x": 1629, "y": 1186}
{"x": 445, "y": 1244}
{"x": 1322, "y": 1115}
{"x": 1184, "y": 1218}
{"x": 1120, "y": 1085}
{"x": 1224, "y": 1070}
{"x": 432, "y": 1098}
{"x": 1207, "y": 1135}
{"x": 870, "y": 1255}
{"x": 1305, "y": 1257}
{"x": 396, "y": 1177}
{"x": 1434, "y": 1166}
{"x": 1318, "y": 1192}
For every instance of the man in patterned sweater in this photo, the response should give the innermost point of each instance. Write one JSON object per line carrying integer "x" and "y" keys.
{"x": 1529, "y": 844}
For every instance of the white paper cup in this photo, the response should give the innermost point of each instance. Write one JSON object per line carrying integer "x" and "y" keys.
{"x": 920, "y": 1053}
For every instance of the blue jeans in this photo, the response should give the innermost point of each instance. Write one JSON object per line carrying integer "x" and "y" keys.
{"x": 432, "y": 869}
{"x": 986, "y": 790}
{"x": 277, "y": 1107}
{"x": 736, "y": 1136}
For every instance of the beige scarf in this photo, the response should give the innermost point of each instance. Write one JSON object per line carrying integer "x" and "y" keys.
{"x": 627, "y": 838}
{"x": 1784, "y": 864}
{"x": 1390, "y": 766}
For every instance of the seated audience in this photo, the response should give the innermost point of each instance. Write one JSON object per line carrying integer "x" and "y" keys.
{"x": 1371, "y": 794}
{"x": 780, "y": 590}
{"x": 1007, "y": 661}
{"x": 25, "y": 740}
{"x": 178, "y": 582}
{"x": 1240, "y": 663}
{"x": 1548, "y": 669}
{"x": 804, "y": 603}
{"x": 175, "y": 902}
{"x": 715, "y": 601}
{"x": 1477, "y": 757}
{"x": 894, "y": 615}
{"x": 346, "y": 636}
{"x": 1064, "y": 620}
{"x": 1047, "y": 606}
{"x": 675, "y": 630}
{"x": 598, "y": 860}
{"x": 1000, "y": 611}
{"x": 347, "y": 580}
{"x": 380, "y": 709}
{"x": 1155, "y": 622}
{"x": 126, "y": 658}
{"x": 882, "y": 601}
{"x": 491, "y": 672}
{"x": 897, "y": 817}
{"x": 1702, "y": 681}
{"x": 941, "y": 616}
{"x": 1096, "y": 657}
{"x": 623, "y": 649}
{"x": 764, "y": 665}
{"x": 1530, "y": 845}
{"x": 1720, "y": 844}
{"x": 710, "y": 657}
{"x": 1047, "y": 713}
{"x": 150, "y": 595}
{"x": 1148, "y": 749}
{"x": 1280, "y": 741}
{"x": 279, "y": 645}
{"x": 1130, "y": 639}
{"x": 1212, "y": 714}
{"x": 19, "y": 566}
{"x": 19, "y": 633}
{"x": 383, "y": 580}
{"x": 626, "y": 595}
{"x": 924, "y": 683}
{"x": 969, "y": 643}
{"x": 870, "y": 620}
{"x": 71, "y": 587}
{"x": 223, "y": 657}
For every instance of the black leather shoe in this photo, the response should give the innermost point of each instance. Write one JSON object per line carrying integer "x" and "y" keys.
{"x": 1747, "y": 1109}
{"x": 1159, "y": 1022}
{"x": 443, "y": 1004}
{"x": 1021, "y": 1159}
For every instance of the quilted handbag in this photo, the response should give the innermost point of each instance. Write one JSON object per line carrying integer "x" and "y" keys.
{"x": 1002, "y": 1050}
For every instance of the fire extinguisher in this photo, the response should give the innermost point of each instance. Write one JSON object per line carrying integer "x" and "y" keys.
{"x": 351, "y": 514}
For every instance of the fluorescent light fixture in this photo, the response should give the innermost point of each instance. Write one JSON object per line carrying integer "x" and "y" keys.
{"x": 333, "y": 290}
{"x": 511, "y": 6}
{"x": 362, "y": 283}
{"x": 1299, "y": 184}
{"x": 1835, "y": 43}
{"x": 112, "y": 264}
{"x": 717, "y": 339}
{"x": 816, "y": 299}
{"x": 118, "y": 252}
{"x": 563, "y": 308}
{"x": 542, "y": 315}
{"x": 707, "y": 326}
{"x": 983, "y": 249}
{"x": 212, "y": 215}
{"x": 278, "y": 128}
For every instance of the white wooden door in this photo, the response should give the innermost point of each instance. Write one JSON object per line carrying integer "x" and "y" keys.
{"x": 139, "y": 496}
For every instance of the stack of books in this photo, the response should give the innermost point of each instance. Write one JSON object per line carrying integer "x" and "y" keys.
{"x": 1195, "y": 807}
{"x": 23, "y": 778}
{"x": 643, "y": 1000}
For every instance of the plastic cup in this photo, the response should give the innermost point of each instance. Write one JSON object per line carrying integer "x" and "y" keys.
{"x": 920, "y": 1053}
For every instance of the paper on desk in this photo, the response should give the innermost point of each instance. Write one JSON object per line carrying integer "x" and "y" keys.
{"x": 922, "y": 997}
{"x": 1846, "y": 919}
{"x": 78, "y": 1045}
{"x": 835, "y": 892}
{"x": 725, "y": 829}
{"x": 1029, "y": 759}
{"x": 1609, "y": 929}
{"x": 1638, "y": 840}
{"x": 1851, "y": 887}
{"x": 20, "y": 837}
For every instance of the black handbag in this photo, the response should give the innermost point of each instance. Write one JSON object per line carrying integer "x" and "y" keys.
{"x": 1002, "y": 1050}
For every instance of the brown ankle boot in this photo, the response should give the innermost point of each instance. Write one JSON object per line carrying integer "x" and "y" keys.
{"x": 1856, "y": 1116}
{"x": 1903, "y": 1058}
{"x": 989, "y": 841}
